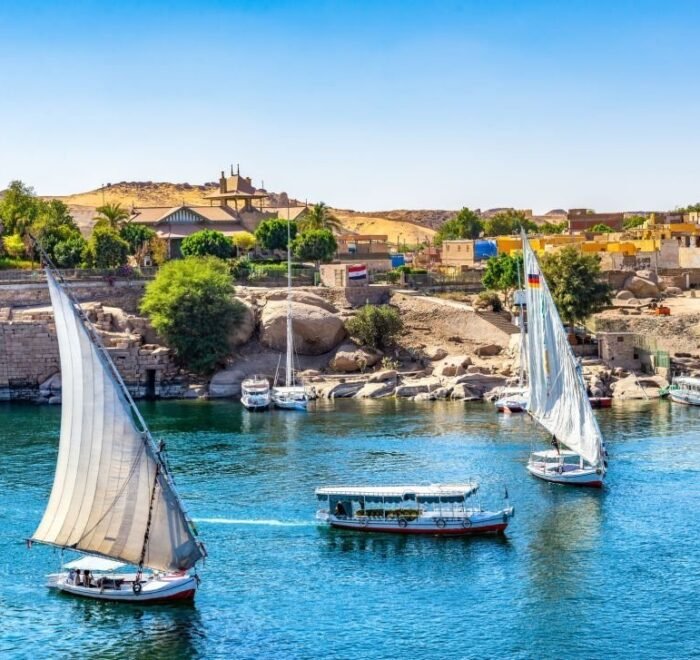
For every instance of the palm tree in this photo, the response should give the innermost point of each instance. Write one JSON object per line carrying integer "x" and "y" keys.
{"x": 112, "y": 215}
{"x": 320, "y": 217}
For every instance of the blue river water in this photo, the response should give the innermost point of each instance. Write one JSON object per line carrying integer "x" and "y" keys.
{"x": 580, "y": 573}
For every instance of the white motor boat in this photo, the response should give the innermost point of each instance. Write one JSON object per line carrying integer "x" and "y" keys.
{"x": 557, "y": 397}
{"x": 512, "y": 399}
{"x": 113, "y": 498}
{"x": 255, "y": 393}
{"x": 685, "y": 389}
{"x": 439, "y": 510}
{"x": 564, "y": 467}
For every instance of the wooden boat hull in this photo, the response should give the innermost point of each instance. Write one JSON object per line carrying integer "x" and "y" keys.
{"x": 600, "y": 401}
{"x": 166, "y": 589}
{"x": 589, "y": 477}
{"x": 490, "y": 523}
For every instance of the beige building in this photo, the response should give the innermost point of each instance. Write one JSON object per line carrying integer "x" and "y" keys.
{"x": 362, "y": 246}
{"x": 618, "y": 349}
{"x": 458, "y": 254}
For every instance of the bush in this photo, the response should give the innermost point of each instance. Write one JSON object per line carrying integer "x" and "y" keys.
{"x": 70, "y": 253}
{"x": 315, "y": 245}
{"x": 243, "y": 240}
{"x": 375, "y": 326}
{"x": 106, "y": 249}
{"x": 272, "y": 234}
{"x": 14, "y": 246}
{"x": 207, "y": 243}
{"x": 191, "y": 305}
{"x": 239, "y": 269}
{"x": 601, "y": 228}
{"x": 137, "y": 236}
{"x": 489, "y": 299}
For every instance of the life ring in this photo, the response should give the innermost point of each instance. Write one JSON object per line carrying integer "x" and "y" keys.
{"x": 441, "y": 522}
{"x": 403, "y": 522}
{"x": 466, "y": 522}
{"x": 136, "y": 587}
{"x": 365, "y": 522}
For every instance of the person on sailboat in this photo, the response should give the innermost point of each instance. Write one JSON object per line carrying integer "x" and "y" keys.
{"x": 555, "y": 443}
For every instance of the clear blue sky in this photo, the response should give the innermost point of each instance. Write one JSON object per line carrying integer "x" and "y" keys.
{"x": 363, "y": 104}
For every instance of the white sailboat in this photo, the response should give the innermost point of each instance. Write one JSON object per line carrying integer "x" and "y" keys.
{"x": 289, "y": 396}
{"x": 514, "y": 399}
{"x": 113, "y": 498}
{"x": 557, "y": 395}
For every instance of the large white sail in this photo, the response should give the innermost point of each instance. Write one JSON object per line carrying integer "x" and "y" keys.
{"x": 557, "y": 396}
{"x": 105, "y": 483}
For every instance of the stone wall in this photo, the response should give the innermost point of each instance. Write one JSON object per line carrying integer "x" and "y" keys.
{"x": 122, "y": 293}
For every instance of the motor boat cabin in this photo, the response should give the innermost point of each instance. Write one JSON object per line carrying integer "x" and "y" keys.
{"x": 443, "y": 510}
{"x": 685, "y": 389}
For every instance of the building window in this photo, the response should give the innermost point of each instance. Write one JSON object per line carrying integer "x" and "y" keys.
{"x": 620, "y": 339}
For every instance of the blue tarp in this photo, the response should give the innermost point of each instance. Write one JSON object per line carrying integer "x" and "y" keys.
{"x": 484, "y": 249}
{"x": 397, "y": 260}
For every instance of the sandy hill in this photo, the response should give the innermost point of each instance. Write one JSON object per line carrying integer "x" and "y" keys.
{"x": 407, "y": 226}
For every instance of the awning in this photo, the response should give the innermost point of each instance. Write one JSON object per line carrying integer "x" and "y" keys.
{"x": 89, "y": 563}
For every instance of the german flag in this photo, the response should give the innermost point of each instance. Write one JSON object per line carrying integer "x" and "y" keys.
{"x": 533, "y": 280}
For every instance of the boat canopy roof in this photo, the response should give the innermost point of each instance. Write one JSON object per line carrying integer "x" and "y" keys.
{"x": 687, "y": 380}
{"x": 90, "y": 563}
{"x": 432, "y": 493}
{"x": 553, "y": 453}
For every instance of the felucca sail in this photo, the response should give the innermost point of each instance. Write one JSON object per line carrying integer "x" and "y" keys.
{"x": 112, "y": 493}
{"x": 557, "y": 396}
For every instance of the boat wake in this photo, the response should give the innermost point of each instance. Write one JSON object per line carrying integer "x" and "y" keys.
{"x": 255, "y": 521}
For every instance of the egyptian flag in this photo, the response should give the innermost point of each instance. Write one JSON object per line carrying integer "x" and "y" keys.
{"x": 533, "y": 280}
{"x": 358, "y": 272}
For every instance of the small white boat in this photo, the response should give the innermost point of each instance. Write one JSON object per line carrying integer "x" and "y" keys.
{"x": 512, "y": 399}
{"x": 557, "y": 397}
{"x": 100, "y": 579}
{"x": 439, "y": 510}
{"x": 255, "y": 393}
{"x": 113, "y": 497}
{"x": 289, "y": 396}
{"x": 685, "y": 389}
{"x": 564, "y": 467}
{"x": 294, "y": 397}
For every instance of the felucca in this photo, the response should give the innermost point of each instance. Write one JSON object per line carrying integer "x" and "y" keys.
{"x": 289, "y": 396}
{"x": 557, "y": 396}
{"x": 113, "y": 497}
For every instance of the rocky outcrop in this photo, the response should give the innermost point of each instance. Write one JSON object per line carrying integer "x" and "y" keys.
{"x": 411, "y": 388}
{"x": 376, "y": 390}
{"x": 303, "y": 297}
{"x": 481, "y": 383}
{"x": 641, "y": 287}
{"x": 226, "y": 383}
{"x": 488, "y": 350}
{"x": 624, "y": 295}
{"x": 382, "y": 376}
{"x": 455, "y": 365}
{"x": 339, "y": 390}
{"x": 434, "y": 353}
{"x": 245, "y": 329}
{"x": 462, "y": 393}
{"x": 350, "y": 358}
{"x": 316, "y": 330}
{"x": 643, "y": 387}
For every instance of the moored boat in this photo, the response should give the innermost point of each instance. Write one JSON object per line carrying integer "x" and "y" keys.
{"x": 439, "y": 509}
{"x": 512, "y": 399}
{"x": 255, "y": 393}
{"x": 600, "y": 401}
{"x": 685, "y": 389}
{"x": 113, "y": 498}
{"x": 557, "y": 397}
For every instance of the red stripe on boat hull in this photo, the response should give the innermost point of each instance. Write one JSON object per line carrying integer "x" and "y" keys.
{"x": 465, "y": 531}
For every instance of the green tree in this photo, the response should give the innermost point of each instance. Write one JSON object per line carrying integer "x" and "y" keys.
{"x": 689, "y": 208}
{"x": 508, "y": 222}
{"x": 70, "y": 252}
{"x": 18, "y": 208}
{"x": 319, "y": 216}
{"x": 553, "y": 227}
{"x": 376, "y": 326}
{"x": 501, "y": 273}
{"x": 271, "y": 234}
{"x": 106, "y": 249}
{"x": 243, "y": 241}
{"x": 53, "y": 224}
{"x": 111, "y": 215}
{"x": 574, "y": 280}
{"x": 207, "y": 243}
{"x": 315, "y": 245}
{"x": 190, "y": 303}
{"x": 137, "y": 236}
{"x": 14, "y": 246}
{"x": 633, "y": 222}
{"x": 466, "y": 224}
{"x": 601, "y": 228}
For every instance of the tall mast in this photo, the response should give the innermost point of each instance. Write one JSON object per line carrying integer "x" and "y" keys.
{"x": 288, "y": 377}
{"x": 521, "y": 382}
